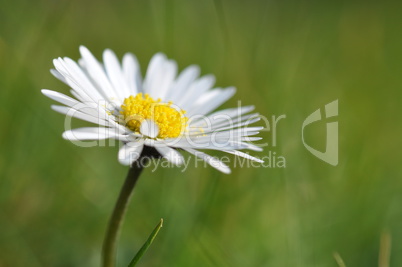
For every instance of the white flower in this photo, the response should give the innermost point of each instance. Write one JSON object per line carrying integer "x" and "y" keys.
{"x": 166, "y": 110}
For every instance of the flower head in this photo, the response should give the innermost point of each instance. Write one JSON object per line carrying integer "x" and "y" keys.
{"x": 166, "y": 111}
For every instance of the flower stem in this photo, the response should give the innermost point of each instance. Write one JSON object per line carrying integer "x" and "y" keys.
{"x": 110, "y": 241}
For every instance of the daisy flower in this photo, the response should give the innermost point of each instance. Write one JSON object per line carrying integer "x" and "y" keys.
{"x": 166, "y": 111}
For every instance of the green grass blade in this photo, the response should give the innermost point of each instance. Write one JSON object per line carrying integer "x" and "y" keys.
{"x": 339, "y": 259}
{"x": 146, "y": 245}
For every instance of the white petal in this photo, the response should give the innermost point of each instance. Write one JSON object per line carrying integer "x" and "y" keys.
{"x": 70, "y": 80}
{"x": 246, "y": 131}
{"x": 132, "y": 73}
{"x": 241, "y": 124}
{"x": 161, "y": 87}
{"x": 243, "y": 145}
{"x": 95, "y": 70}
{"x": 230, "y": 113}
{"x": 81, "y": 79}
{"x": 77, "y": 95}
{"x": 149, "y": 128}
{"x": 79, "y": 115}
{"x": 115, "y": 74}
{"x": 130, "y": 152}
{"x": 79, "y": 107}
{"x": 183, "y": 82}
{"x": 96, "y": 109}
{"x": 93, "y": 133}
{"x": 240, "y": 132}
{"x": 196, "y": 89}
{"x": 59, "y": 97}
{"x": 220, "y": 121}
{"x": 214, "y": 162}
{"x": 154, "y": 72}
{"x": 170, "y": 154}
{"x": 244, "y": 155}
{"x": 211, "y": 100}
{"x": 89, "y": 114}
{"x": 250, "y": 139}
{"x": 208, "y": 143}
{"x": 58, "y": 75}
{"x": 218, "y": 143}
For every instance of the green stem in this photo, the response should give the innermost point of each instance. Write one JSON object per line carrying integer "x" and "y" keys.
{"x": 110, "y": 241}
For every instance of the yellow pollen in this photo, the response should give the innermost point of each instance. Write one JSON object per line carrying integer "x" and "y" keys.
{"x": 171, "y": 122}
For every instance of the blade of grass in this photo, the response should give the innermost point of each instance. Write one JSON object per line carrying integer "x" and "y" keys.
{"x": 146, "y": 245}
{"x": 339, "y": 259}
{"x": 385, "y": 250}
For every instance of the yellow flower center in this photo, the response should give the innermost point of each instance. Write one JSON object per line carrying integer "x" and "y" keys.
{"x": 170, "y": 121}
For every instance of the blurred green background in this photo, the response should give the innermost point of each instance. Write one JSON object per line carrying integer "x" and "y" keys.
{"x": 285, "y": 57}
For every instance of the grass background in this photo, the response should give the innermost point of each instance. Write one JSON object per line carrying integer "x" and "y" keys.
{"x": 286, "y": 57}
